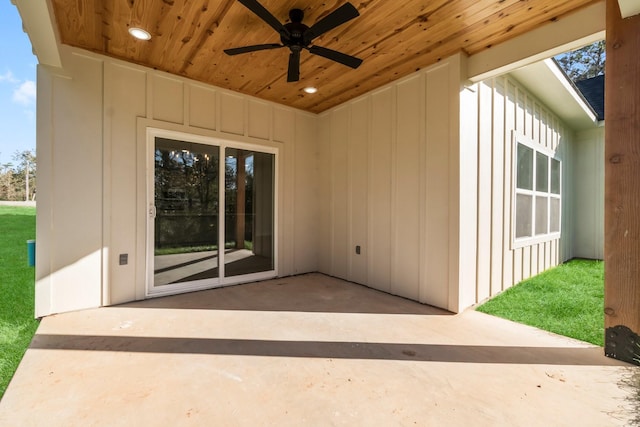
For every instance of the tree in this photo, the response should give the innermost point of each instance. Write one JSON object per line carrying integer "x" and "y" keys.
{"x": 26, "y": 170}
{"x": 584, "y": 63}
{"x": 7, "y": 189}
{"x": 17, "y": 181}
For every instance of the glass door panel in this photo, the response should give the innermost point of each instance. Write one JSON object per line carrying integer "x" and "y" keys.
{"x": 186, "y": 212}
{"x": 249, "y": 212}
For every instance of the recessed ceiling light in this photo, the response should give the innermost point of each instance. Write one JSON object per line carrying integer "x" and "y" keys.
{"x": 310, "y": 89}
{"x": 139, "y": 33}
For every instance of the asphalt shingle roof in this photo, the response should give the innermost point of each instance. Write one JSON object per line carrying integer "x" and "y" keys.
{"x": 593, "y": 91}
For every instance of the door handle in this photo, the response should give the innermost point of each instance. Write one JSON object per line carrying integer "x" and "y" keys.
{"x": 152, "y": 211}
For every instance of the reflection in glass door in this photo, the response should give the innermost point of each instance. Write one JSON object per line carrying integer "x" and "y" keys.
{"x": 249, "y": 195}
{"x": 186, "y": 212}
{"x": 211, "y": 218}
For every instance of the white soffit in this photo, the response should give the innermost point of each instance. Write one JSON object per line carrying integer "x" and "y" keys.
{"x": 37, "y": 22}
{"x": 629, "y": 7}
{"x": 548, "y": 83}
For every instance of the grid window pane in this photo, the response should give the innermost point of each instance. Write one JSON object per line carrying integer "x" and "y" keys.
{"x": 525, "y": 168}
{"x": 555, "y": 176}
{"x": 524, "y": 205}
{"x": 542, "y": 172}
{"x": 555, "y": 215}
{"x": 542, "y": 209}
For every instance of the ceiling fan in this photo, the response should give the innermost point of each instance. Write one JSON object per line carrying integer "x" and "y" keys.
{"x": 297, "y": 36}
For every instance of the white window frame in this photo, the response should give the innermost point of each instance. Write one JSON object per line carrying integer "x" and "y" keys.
{"x": 549, "y": 235}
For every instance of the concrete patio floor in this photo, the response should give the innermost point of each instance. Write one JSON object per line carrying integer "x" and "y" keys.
{"x": 307, "y": 350}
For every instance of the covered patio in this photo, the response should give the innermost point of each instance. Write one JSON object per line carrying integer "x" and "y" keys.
{"x": 308, "y": 350}
{"x": 398, "y": 175}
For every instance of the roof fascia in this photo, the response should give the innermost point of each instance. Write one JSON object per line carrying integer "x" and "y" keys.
{"x": 571, "y": 89}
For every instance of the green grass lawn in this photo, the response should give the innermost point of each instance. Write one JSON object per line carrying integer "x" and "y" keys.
{"x": 17, "y": 325}
{"x": 567, "y": 300}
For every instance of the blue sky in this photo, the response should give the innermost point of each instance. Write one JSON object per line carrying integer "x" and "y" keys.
{"x": 17, "y": 86}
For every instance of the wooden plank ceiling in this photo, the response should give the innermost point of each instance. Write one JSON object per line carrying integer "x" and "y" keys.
{"x": 393, "y": 38}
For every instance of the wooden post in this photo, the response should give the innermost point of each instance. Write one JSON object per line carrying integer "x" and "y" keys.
{"x": 622, "y": 186}
{"x": 240, "y": 198}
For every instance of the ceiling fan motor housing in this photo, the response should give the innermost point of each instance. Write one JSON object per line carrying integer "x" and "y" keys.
{"x": 296, "y": 30}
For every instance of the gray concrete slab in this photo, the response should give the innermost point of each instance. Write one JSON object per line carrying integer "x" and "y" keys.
{"x": 308, "y": 350}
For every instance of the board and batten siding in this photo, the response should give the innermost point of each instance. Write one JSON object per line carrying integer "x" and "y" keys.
{"x": 416, "y": 176}
{"x": 501, "y": 106}
{"x": 588, "y": 194}
{"x": 92, "y": 117}
{"x": 389, "y": 183}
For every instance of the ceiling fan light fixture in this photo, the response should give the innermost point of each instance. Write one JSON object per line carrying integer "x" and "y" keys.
{"x": 139, "y": 33}
{"x": 310, "y": 89}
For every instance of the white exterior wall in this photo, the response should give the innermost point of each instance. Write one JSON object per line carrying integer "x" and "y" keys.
{"x": 92, "y": 117}
{"x": 588, "y": 182}
{"x": 416, "y": 173}
{"x": 492, "y": 110}
{"x": 389, "y": 170}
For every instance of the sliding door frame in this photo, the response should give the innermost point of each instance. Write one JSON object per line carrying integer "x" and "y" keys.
{"x": 171, "y": 289}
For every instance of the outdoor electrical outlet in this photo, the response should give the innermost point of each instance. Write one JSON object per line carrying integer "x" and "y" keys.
{"x": 124, "y": 259}
{"x": 358, "y": 249}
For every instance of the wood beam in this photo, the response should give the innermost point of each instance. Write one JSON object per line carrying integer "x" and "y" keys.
{"x": 571, "y": 32}
{"x": 37, "y": 21}
{"x": 622, "y": 187}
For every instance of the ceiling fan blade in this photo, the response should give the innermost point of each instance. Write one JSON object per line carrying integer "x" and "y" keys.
{"x": 348, "y": 60}
{"x": 344, "y": 13}
{"x": 265, "y": 15}
{"x": 293, "y": 75}
{"x": 247, "y": 49}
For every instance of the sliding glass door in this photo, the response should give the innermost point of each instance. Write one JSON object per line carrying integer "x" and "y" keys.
{"x": 248, "y": 212}
{"x": 186, "y": 187}
{"x": 211, "y": 213}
